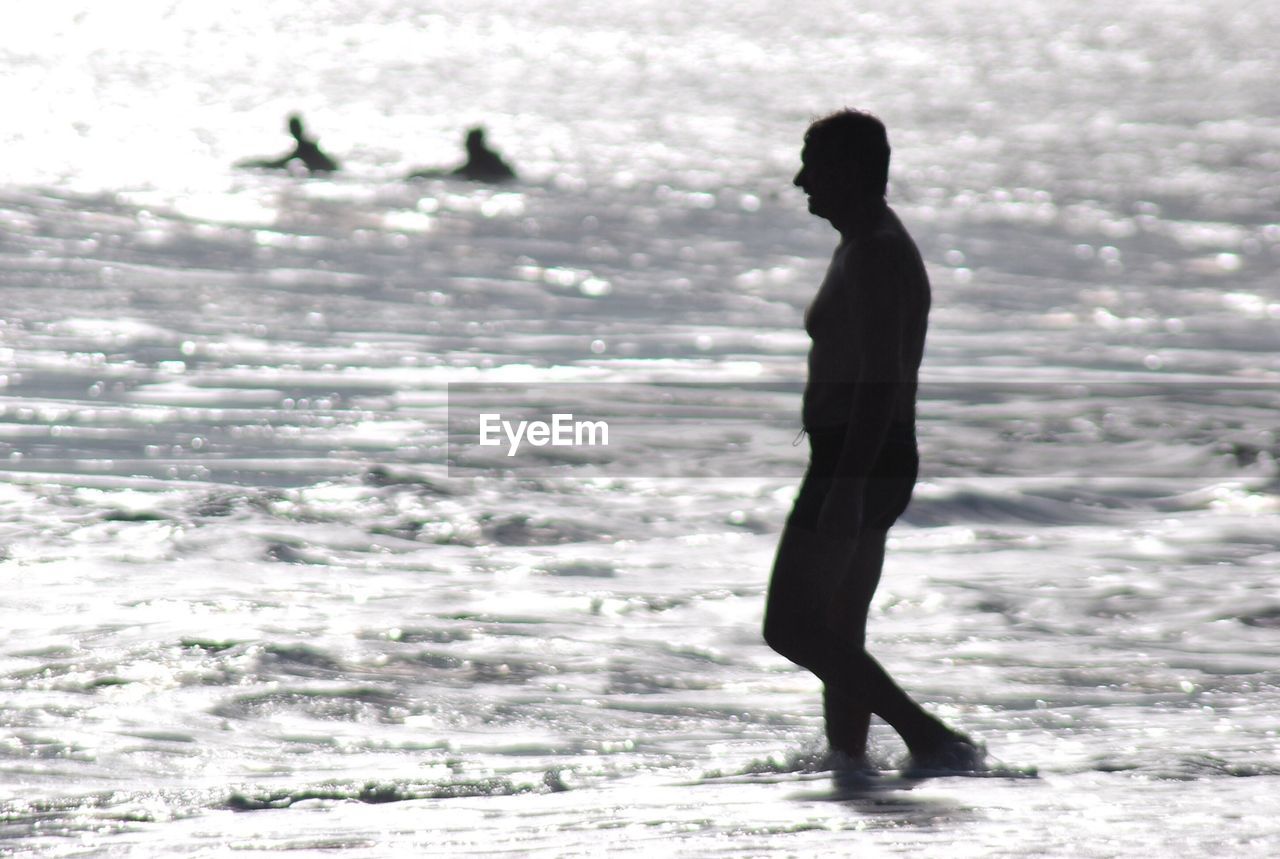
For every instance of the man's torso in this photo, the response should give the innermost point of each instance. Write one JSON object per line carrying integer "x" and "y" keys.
{"x": 885, "y": 260}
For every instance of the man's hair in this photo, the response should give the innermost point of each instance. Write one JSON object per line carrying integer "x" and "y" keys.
{"x": 859, "y": 137}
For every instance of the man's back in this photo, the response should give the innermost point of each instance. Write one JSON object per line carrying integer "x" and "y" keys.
{"x": 310, "y": 154}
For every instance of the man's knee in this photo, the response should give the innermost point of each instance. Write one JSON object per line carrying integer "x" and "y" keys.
{"x": 789, "y": 637}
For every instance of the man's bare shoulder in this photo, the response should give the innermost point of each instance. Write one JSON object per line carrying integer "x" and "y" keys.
{"x": 889, "y": 237}
{"x": 886, "y": 272}
{"x": 888, "y": 252}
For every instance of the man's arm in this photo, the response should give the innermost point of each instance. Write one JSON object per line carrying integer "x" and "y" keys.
{"x": 269, "y": 163}
{"x": 882, "y": 300}
{"x": 281, "y": 162}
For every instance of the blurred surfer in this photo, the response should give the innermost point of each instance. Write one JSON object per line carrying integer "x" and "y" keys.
{"x": 482, "y": 164}
{"x": 867, "y": 329}
{"x": 306, "y": 150}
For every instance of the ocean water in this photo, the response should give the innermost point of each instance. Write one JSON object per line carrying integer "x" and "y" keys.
{"x": 253, "y": 602}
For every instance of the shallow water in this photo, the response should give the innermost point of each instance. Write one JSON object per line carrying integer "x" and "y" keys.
{"x": 254, "y": 602}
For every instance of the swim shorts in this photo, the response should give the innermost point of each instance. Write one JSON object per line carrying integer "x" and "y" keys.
{"x": 889, "y": 482}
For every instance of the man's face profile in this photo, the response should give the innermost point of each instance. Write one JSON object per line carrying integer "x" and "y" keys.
{"x": 826, "y": 178}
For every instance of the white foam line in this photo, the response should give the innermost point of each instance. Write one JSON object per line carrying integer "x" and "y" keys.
{"x": 89, "y": 481}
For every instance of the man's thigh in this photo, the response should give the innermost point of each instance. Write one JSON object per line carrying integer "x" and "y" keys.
{"x": 852, "y": 594}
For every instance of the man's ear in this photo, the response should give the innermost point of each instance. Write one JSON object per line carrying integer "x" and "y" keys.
{"x": 844, "y": 174}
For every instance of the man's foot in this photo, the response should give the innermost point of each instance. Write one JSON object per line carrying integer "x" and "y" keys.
{"x": 956, "y": 755}
{"x": 839, "y": 761}
{"x": 852, "y": 772}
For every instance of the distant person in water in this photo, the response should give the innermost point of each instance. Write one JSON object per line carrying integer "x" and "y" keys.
{"x": 867, "y": 327}
{"x": 482, "y": 165}
{"x": 305, "y": 150}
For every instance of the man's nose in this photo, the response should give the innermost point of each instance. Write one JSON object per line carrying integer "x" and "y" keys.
{"x": 799, "y": 180}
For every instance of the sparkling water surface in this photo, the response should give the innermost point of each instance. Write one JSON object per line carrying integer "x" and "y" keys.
{"x": 250, "y": 608}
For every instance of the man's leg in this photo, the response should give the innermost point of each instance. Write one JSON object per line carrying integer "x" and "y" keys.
{"x": 848, "y": 719}
{"x": 797, "y": 626}
{"x": 847, "y": 724}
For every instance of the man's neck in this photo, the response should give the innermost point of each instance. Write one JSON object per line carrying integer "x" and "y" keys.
{"x": 860, "y": 217}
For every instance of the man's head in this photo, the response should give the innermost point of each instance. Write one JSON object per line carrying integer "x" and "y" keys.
{"x": 845, "y": 161}
{"x": 295, "y": 126}
{"x": 475, "y": 140}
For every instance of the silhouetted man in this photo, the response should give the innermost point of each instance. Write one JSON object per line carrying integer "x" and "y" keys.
{"x": 482, "y": 165}
{"x": 305, "y": 150}
{"x": 867, "y": 326}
